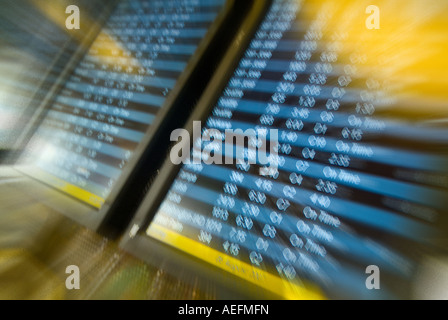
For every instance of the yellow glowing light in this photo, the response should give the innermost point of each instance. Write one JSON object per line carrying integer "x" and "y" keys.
{"x": 255, "y": 275}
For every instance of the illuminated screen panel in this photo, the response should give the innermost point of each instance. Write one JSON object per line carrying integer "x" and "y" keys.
{"x": 352, "y": 189}
{"x": 115, "y": 93}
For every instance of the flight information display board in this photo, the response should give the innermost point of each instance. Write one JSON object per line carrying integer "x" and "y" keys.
{"x": 114, "y": 95}
{"x": 352, "y": 189}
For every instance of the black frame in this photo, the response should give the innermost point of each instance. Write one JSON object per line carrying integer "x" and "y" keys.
{"x": 169, "y": 258}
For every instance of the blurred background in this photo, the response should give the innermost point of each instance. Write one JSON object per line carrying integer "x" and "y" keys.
{"x": 391, "y": 87}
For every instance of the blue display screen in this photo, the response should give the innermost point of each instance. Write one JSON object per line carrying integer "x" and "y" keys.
{"x": 113, "y": 96}
{"x": 355, "y": 186}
